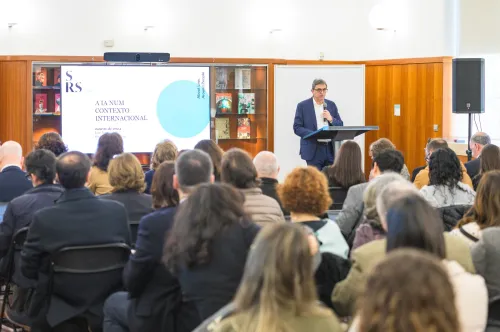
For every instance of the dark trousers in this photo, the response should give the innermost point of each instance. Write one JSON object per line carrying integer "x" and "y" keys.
{"x": 116, "y": 310}
{"x": 323, "y": 156}
{"x": 77, "y": 324}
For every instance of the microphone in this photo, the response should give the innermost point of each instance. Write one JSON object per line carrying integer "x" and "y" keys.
{"x": 325, "y": 121}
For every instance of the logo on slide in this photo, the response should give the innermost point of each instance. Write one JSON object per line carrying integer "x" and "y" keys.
{"x": 180, "y": 111}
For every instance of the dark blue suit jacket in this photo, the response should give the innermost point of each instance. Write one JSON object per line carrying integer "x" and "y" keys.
{"x": 305, "y": 123}
{"x": 13, "y": 183}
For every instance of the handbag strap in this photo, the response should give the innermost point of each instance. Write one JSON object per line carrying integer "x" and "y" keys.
{"x": 468, "y": 235}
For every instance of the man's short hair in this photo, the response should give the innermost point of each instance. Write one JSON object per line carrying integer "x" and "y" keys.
{"x": 238, "y": 169}
{"x": 382, "y": 144}
{"x": 481, "y": 139}
{"x": 389, "y": 160}
{"x": 193, "y": 167}
{"x": 436, "y": 143}
{"x": 42, "y": 164}
{"x": 72, "y": 169}
{"x": 318, "y": 81}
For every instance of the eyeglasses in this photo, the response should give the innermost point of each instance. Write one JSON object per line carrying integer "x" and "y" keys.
{"x": 321, "y": 90}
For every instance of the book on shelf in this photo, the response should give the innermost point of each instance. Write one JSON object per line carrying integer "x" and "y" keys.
{"x": 221, "y": 78}
{"x": 40, "y": 77}
{"x": 222, "y": 130}
{"x": 243, "y": 128}
{"x": 57, "y": 104}
{"x": 246, "y": 103}
{"x": 40, "y": 105}
{"x": 224, "y": 103}
{"x": 243, "y": 78}
{"x": 57, "y": 76}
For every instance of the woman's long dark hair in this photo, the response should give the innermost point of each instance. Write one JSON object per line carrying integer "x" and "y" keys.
{"x": 346, "y": 170}
{"x": 490, "y": 158}
{"x": 215, "y": 153}
{"x": 210, "y": 210}
{"x": 109, "y": 145}
{"x": 444, "y": 168}
{"x": 412, "y": 222}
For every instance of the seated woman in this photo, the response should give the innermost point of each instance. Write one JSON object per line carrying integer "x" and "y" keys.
{"x": 485, "y": 211}
{"x": 108, "y": 146}
{"x": 239, "y": 171}
{"x": 208, "y": 246}
{"x": 164, "y": 151}
{"x": 445, "y": 174}
{"x": 489, "y": 161}
{"x": 127, "y": 180}
{"x": 215, "y": 153}
{"x": 346, "y": 293}
{"x": 305, "y": 194}
{"x": 345, "y": 172}
{"x": 277, "y": 292}
{"x": 53, "y": 142}
{"x": 486, "y": 258}
{"x": 371, "y": 228}
{"x": 394, "y": 300}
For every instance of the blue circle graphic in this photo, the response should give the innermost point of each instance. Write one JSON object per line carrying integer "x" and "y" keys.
{"x": 183, "y": 109}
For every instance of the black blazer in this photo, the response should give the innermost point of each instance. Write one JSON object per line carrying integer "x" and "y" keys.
{"x": 77, "y": 218}
{"x": 268, "y": 187}
{"x": 13, "y": 183}
{"x": 156, "y": 294}
{"x": 136, "y": 204}
{"x": 473, "y": 167}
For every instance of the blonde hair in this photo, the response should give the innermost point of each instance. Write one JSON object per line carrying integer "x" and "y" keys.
{"x": 125, "y": 173}
{"x": 166, "y": 150}
{"x": 278, "y": 279}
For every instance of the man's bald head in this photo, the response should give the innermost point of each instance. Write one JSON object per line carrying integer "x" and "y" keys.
{"x": 266, "y": 164}
{"x": 11, "y": 153}
{"x": 73, "y": 169}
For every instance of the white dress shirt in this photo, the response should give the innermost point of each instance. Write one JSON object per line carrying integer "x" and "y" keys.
{"x": 320, "y": 120}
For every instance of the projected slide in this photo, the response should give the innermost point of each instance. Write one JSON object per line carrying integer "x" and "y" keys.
{"x": 143, "y": 104}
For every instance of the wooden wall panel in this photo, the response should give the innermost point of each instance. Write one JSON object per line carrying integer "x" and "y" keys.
{"x": 420, "y": 91}
{"x": 15, "y": 122}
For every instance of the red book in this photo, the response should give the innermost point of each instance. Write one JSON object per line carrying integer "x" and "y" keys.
{"x": 40, "y": 106}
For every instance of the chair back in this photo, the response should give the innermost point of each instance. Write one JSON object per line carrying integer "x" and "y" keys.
{"x": 3, "y": 207}
{"x": 451, "y": 215}
{"x": 16, "y": 245}
{"x": 134, "y": 229}
{"x": 90, "y": 259}
{"x": 494, "y": 312}
{"x": 338, "y": 195}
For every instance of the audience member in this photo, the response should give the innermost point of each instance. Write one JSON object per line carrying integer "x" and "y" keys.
{"x": 384, "y": 144}
{"x": 365, "y": 257}
{"x": 422, "y": 178}
{"x": 486, "y": 258}
{"x": 166, "y": 150}
{"x": 477, "y": 143}
{"x": 371, "y": 228}
{"x": 417, "y": 170}
{"x": 277, "y": 292}
{"x": 127, "y": 179}
{"x": 407, "y": 228}
{"x": 305, "y": 194}
{"x": 208, "y": 246}
{"x": 239, "y": 171}
{"x": 395, "y": 300}
{"x": 78, "y": 218}
{"x": 108, "y": 146}
{"x": 53, "y": 142}
{"x": 352, "y": 211}
{"x": 489, "y": 161}
{"x": 267, "y": 168}
{"x": 484, "y": 213}
{"x": 13, "y": 180}
{"x": 445, "y": 188}
{"x": 151, "y": 303}
{"x": 215, "y": 153}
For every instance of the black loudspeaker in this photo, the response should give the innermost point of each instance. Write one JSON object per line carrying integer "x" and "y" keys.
{"x": 136, "y": 57}
{"x": 468, "y": 86}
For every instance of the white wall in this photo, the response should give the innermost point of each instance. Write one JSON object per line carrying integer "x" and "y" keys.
{"x": 479, "y": 37}
{"x": 226, "y": 28}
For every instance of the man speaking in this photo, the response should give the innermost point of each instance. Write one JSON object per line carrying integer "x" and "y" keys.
{"x": 311, "y": 115}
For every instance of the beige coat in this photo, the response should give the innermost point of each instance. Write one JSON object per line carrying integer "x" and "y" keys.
{"x": 422, "y": 178}
{"x": 367, "y": 256}
{"x": 261, "y": 208}
{"x": 99, "y": 182}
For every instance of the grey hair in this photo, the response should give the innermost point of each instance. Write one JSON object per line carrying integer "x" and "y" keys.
{"x": 375, "y": 187}
{"x": 266, "y": 163}
{"x": 392, "y": 192}
{"x": 481, "y": 138}
{"x": 318, "y": 81}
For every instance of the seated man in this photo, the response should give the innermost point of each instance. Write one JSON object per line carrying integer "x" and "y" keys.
{"x": 13, "y": 181}
{"x": 78, "y": 218}
{"x": 352, "y": 210}
{"x": 477, "y": 142}
{"x": 268, "y": 169}
{"x": 422, "y": 178}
